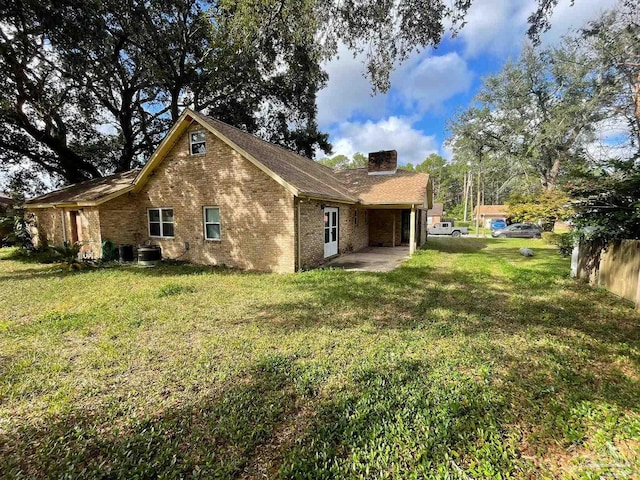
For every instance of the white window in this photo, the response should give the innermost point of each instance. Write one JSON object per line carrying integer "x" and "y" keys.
{"x": 161, "y": 222}
{"x": 212, "y": 223}
{"x": 197, "y": 143}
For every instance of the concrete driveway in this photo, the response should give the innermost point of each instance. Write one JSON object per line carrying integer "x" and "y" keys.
{"x": 371, "y": 259}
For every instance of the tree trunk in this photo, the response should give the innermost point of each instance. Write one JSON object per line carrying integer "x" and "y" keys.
{"x": 464, "y": 194}
{"x": 551, "y": 179}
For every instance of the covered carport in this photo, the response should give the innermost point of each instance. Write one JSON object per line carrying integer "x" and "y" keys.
{"x": 397, "y": 225}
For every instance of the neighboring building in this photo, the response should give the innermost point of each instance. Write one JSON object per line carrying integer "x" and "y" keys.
{"x": 5, "y": 200}
{"x": 214, "y": 194}
{"x": 488, "y": 212}
{"x": 434, "y": 215}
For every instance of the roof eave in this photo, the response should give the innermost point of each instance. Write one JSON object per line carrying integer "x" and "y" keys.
{"x": 79, "y": 204}
{"x": 327, "y": 198}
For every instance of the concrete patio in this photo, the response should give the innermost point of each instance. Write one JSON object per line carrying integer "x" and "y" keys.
{"x": 371, "y": 259}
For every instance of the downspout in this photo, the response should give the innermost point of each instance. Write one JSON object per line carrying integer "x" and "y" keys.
{"x": 64, "y": 226}
{"x": 298, "y": 237}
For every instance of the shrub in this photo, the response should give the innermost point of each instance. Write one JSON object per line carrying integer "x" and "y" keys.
{"x": 463, "y": 224}
{"x": 14, "y": 228}
{"x": 564, "y": 242}
{"x": 69, "y": 255}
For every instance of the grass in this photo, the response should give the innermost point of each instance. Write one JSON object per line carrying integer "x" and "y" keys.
{"x": 469, "y": 361}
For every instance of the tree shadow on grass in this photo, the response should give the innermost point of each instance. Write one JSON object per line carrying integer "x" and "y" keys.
{"x": 221, "y": 432}
{"x": 409, "y": 419}
{"x": 394, "y": 416}
{"x": 584, "y": 338}
{"x": 168, "y": 269}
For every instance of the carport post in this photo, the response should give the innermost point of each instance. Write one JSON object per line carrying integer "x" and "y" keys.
{"x": 412, "y": 232}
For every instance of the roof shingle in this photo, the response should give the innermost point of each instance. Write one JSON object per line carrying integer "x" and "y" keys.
{"x": 491, "y": 210}
{"x": 308, "y": 176}
{"x": 88, "y": 191}
{"x": 401, "y": 187}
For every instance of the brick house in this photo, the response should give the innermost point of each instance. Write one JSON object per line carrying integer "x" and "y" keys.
{"x": 434, "y": 214}
{"x": 486, "y": 213}
{"x": 214, "y": 194}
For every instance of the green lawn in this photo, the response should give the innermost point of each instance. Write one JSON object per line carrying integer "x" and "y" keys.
{"x": 467, "y": 362}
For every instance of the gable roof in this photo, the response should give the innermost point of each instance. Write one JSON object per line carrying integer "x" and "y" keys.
{"x": 403, "y": 187}
{"x": 308, "y": 177}
{"x": 491, "y": 210}
{"x": 438, "y": 209}
{"x": 299, "y": 175}
{"x": 91, "y": 192}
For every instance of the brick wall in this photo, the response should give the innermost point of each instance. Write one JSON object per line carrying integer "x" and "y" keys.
{"x": 351, "y": 237}
{"x": 50, "y": 230}
{"x": 48, "y": 227}
{"x": 123, "y": 221}
{"x": 256, "y": 213}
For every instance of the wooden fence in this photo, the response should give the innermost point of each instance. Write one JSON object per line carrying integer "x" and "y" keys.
{"x": 617, "y": 269}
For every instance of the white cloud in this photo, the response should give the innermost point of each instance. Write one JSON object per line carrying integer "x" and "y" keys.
{"x": 393, "y": 133}
{"x": 498, "y": 27}
{"x": 447, "y": 152}
{"x": 421, "y": 83}
{"x": 566, "y": 17}
{"x": 348, "y": 92}
{"x": 425, "y": 83}
{"x": 612, "y": 140}
{"x": 495, "y": 26}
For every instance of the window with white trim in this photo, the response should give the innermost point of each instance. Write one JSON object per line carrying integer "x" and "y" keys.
{"x": 197, "y": 143}
{"x": 212, "y": 223}
{"x": 161, "y": 222}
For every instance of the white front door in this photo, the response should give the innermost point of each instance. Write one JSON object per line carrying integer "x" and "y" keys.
{"x": 330, "y": 231}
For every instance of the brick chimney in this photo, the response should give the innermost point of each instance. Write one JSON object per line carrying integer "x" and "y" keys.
{"x": 383, "y": 163}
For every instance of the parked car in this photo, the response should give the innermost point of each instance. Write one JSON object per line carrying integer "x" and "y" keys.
{"x": 498, "y": 224}
{"x": 518, "y": 230}
{"x": 447, "y": 228}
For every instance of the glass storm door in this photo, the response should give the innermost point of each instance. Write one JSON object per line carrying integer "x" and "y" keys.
{"x": 330, "y": 231}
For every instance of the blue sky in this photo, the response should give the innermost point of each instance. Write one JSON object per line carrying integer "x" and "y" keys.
{"x": 432, "y": 85}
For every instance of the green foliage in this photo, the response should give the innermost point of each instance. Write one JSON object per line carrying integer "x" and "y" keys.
{"x": 171, "y": 289}
{"x": 564, "y": 241}
{"x": 536, "y": 117}
{"x": 68, "y": 253}
{"x": 446, "y": 178}
{"x": 544, "y": 208}
{"x": 606, "y": 194}
{"x": 14, "y": 225}
{"x": 342, "y": 162}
